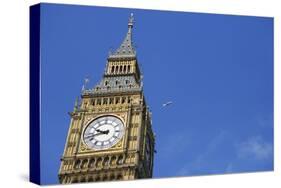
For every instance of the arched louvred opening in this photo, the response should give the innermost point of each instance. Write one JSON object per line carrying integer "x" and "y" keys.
{"x": 124, "y": 69}
{"x": 129, "y": 68}
{"x": 120, "y": 69}
{"x": 123, "y": 100}
{"x": 77, "y": 164}
{"x": 112, "y": 69}
{"x": 116, "y": 69}
{"x": 117, "y": 100}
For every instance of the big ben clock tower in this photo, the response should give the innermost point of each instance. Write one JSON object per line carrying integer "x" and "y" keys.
{"x": 110, "y": 135}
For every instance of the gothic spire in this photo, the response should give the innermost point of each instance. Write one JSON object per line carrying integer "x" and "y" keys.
{"x": 126, "y": 49}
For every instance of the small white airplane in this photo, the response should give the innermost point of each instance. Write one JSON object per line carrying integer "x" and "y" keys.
{"x": 167, "y": 104}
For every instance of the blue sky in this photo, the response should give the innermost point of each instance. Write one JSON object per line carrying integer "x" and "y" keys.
{"x": 217, "y": 70}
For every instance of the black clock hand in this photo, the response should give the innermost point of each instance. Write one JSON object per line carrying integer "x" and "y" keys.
{"x": 100, "y": 131}
{"x": 103, "y": 132}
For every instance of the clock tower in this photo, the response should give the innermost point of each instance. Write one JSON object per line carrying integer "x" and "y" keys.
{"x": 110, "y": 134}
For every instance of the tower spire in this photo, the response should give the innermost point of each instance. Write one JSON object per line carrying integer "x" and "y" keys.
{"x": 126, "y": 48}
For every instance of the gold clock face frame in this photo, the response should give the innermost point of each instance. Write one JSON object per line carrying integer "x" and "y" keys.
{"x": 103, "y": 132}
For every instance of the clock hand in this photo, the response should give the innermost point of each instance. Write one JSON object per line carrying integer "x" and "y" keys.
{"x": 100, "y": 131}
{"x": 103, "y": 132}
{"x": 98, "y": 134}
{"x": 89, "y": 136}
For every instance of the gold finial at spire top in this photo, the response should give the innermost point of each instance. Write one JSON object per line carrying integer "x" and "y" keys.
{"x": 131, "y": 20}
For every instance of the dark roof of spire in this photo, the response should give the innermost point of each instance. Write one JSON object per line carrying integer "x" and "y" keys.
{"x": 126, "y": 49}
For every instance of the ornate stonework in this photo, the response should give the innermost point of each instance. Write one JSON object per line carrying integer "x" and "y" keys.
{"x": 119, "y": 95}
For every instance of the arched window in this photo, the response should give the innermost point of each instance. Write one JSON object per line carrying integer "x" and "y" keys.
{"x": 116, "y": 70}
{"x": 113, "y": 160}
{"x": 98, "y": 101}
{"x": 91, "y": 163}
{"x": 129, "y": 68}
{"x": 111, "y": 100}
{"x": 120, "y": 70}
{"x": 106, "y": 83}
{"x": 106, "y": 161}
{"x": 117, "y": 100}
{"x": 127, "y": 81}
{"x": 120, "y": 160}
{"x": 84, "y": 163}
{"x": 123, "y": 100}
{"x": 124, "y": 70}
{"x": 112, "y": 69}
{"x": 99, "y": 162}
{"x": 77, "y": 164}
{"x": 105, "y": 100}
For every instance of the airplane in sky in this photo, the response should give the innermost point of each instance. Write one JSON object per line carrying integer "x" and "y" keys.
{"x": 167, "y": 104}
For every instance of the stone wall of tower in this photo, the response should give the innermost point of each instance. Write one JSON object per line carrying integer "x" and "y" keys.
{"x": 96, "y": 165}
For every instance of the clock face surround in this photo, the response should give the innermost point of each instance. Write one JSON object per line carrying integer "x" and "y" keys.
{"x": 103, "y": 132}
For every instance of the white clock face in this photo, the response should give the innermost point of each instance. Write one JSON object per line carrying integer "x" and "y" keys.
{"x": 104, "y": 132}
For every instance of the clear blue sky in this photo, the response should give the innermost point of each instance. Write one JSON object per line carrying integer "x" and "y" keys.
{"x": 217, "y": 70}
